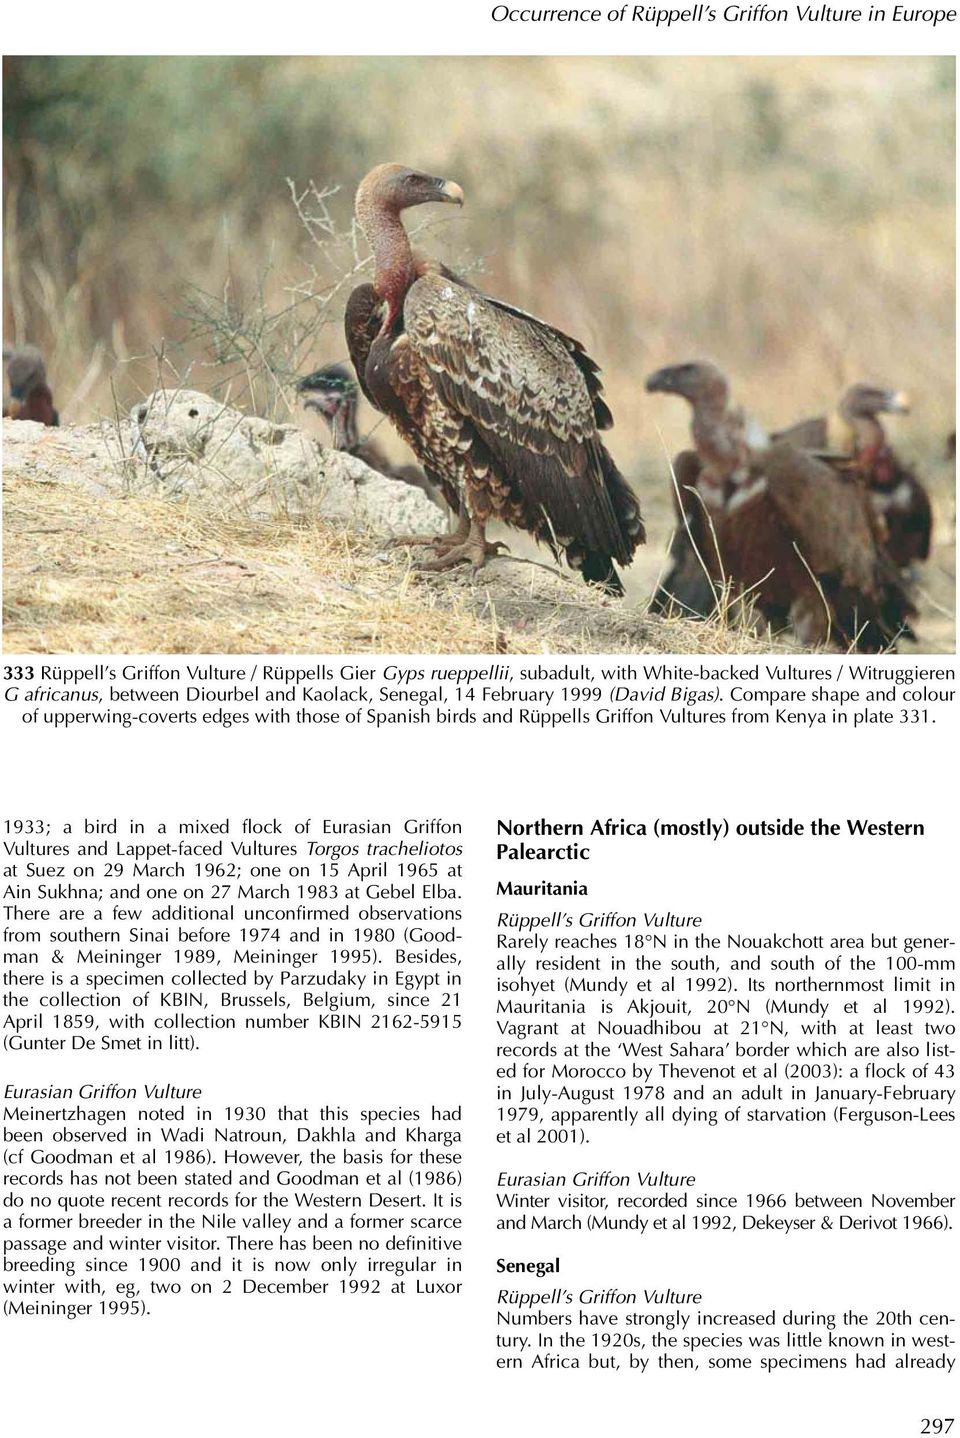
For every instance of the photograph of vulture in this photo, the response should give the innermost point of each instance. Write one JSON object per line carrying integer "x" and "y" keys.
{"x": 222, "y": 333}
{"x": 30, "y": 395}
{"x": 333, "y": 392}
{"x": 492, "y": 400}
{"x": 793, "y": 534}
{"x": 859, "y": 442}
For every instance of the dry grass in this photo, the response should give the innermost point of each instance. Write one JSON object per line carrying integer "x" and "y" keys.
{"x": 88, "y": 573}
{"x": 138, "y": 575}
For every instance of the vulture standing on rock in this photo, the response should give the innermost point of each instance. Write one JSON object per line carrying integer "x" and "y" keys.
{"x": 897, "y": 496}
{"x": 791, "y": 532}
{"x": 30, "y": 395}
{"x": 332, "y": 391}
{"x": 494, "y": 402}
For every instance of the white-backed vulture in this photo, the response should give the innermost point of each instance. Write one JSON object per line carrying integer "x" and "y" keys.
{"x": 495, "y": 402}
{"x": 792, "y": 532}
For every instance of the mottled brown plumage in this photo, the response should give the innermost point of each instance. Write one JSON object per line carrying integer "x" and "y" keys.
{"x": 495, "y": 402}
{"x": 798, "y": 537}
{"x": 30, "y": 395}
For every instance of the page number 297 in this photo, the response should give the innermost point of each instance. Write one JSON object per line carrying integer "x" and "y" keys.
{"x": 935, "y": 1426}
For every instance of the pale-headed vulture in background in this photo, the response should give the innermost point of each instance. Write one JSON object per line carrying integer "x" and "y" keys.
{"x": 491, "y": 400}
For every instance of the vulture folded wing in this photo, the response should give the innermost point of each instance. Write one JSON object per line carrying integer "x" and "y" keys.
{"x": 805, "y": 434}
{"x": 529, "y": 402}
{"x": 588, "y": 367}
{"x": 827, "y": 516}
{"x": 361, "y": 323}
{"x": 909, "y": 517}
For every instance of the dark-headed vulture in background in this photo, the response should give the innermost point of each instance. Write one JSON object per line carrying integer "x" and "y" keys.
{"x": 332, "y": 391}
{"x": 898, "y": 497}
{"x": 30, "y": 395}
{"x": 491, "y": 400}
{"x": 793, "y": 534}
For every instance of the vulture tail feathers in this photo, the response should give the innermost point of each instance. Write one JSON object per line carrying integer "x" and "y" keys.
{"x": 595, "y": 566}
{"x": 624, "y": 502}
{"x": 598, "y": 569}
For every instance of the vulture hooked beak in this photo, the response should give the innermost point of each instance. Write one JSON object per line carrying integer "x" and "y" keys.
{"x": 669, "y": 380}
{"x": 450, "y": 192}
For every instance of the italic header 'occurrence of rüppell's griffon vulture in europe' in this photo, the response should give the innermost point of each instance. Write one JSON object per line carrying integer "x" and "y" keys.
{"x": 493, "y": 402}
{"x": 796, "y": 536}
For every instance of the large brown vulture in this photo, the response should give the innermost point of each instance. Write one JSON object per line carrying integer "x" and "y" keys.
{"x": 492, "y": 401}
{"x": 30, "y": 395}
{"x": 697, "y": 571}
{"x": 791, "y": 532}
{"x": 898, "y": 497}
{"x": 332, "y": 392}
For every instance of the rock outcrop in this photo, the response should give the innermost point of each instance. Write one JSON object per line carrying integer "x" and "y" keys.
{"x": 183, "y": 443}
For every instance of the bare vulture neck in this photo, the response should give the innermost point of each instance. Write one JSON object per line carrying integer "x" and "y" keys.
{"x": 868, "y": 433}
{"x": 343, "y": 426}
{"x": 717, "y": 439}
{"x": 394, "y": 268}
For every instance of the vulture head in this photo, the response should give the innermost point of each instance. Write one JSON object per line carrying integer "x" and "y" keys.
{"x": 392, "y": 188}
{"x": 328, "y": 390}
{"x": 866, "y": 401}
{"x": 700, "y": 382}
{"x": 25, "y": 370}
{"x": 383, "y": 195}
